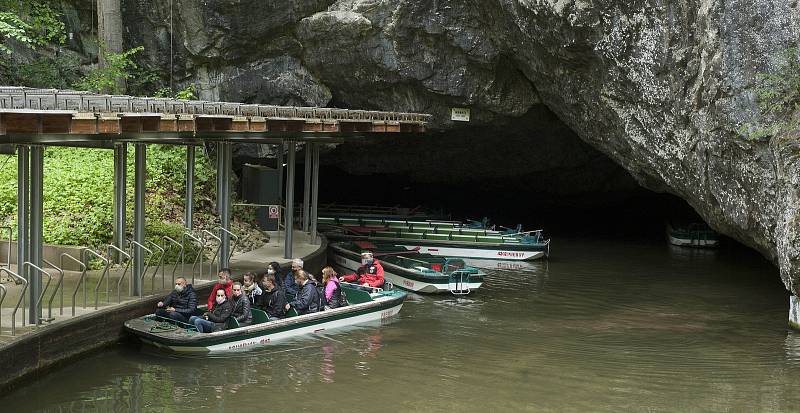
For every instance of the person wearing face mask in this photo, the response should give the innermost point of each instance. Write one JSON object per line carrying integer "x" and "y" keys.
{"x": 250, "y": 287}
{"x": 274, "y": 269}
{"x": 223, "y": 282}
{"x": 240, "y": 305}
{"x": 180, "y": 304}
{"x": 215, "y": 319}
{"x": 370, "y": 273}
{"x": 273, "y": 299}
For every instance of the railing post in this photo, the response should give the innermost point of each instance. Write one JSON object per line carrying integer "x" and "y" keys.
{"x": 36, "y": 231}
{"x": 120, "y": 174}
{"x": 23, "y": 186}
{"x": 138, "y": 215}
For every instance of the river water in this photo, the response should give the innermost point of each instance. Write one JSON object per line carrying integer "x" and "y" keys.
{"x": 603, "y": 326}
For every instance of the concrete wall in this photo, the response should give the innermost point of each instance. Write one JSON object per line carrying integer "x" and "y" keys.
{"x": 34, "y": 353}
{"x": 51, "y": 253}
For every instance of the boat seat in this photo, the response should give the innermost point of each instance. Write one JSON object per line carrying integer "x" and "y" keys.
{"x": 259, "y": 316}
{"x": 231, "y": 323}
{"x": 291, "y": 313}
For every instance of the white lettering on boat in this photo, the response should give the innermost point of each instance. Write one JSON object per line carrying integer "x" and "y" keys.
{"x": 509, "y": 254}
{"x": 264, "y": 340}
{"x": 386, "y": 314}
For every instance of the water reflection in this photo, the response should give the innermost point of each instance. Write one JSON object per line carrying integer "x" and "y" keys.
{"x": 600, "y": 327}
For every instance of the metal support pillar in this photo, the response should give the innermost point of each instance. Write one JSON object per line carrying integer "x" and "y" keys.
{"x": 279, "y": 149}
{"x": 314, "y": 191}
{"x": 225, "y": 151}
{"x": 120, "y": 180}
{"x": 287, "y": 250}
{"x": 36, "y": 232}
{"x": 23, "y": 183}
{"x": 140, "y": 168}
{"x": 307, "y": 186}
{"x": 189, "y": 205}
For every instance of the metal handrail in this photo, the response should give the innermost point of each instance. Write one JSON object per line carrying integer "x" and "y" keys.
{"x": 235, "y": 242}
{"x": 175, "y": 267}
{"x": 2, "y": 298}
{"x": 10, "y": 234}
{"x": 147, "y": 263}
{"x": 122, "y": 277}
{"x": 21, "y": 296}
{"x": 58, "y": 287}
{"x": 83, "y": 271}
{"x": 38, "y": 304}
{"x": 199, "y": 254}
{"x": 83, "y": 276}
{"x": 160, "y": 264}
{"x": 216, "y": 253}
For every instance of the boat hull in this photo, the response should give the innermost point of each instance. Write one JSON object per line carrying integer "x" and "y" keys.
{"x": 400, "y": 277}
{"x": 262, "y": 335}
{"x": 693, "y": 242}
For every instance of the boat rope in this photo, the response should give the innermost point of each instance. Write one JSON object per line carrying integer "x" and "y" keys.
{"x": 163, "y": 327}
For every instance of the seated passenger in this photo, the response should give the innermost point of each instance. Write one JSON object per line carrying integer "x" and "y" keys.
{"x": 370, "y": 273}
{"x": 224, "y": 282}
{"x": 289, "y": 283}
{"x": 215, "y": 319}
{"x": 180, "y": 304}
{"x": 250, "y": 287}
{"x": 241, "y": 306}
{"x": 307, "y": 299}
{"x": 273, "y": 299}
{"x": 334, "y": 297}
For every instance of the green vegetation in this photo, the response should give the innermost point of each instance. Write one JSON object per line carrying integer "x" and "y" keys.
{"x": 78, "y": 195}
{"x": 104, "y": 79}
{"x": 30, "y": 23}
{"x": 778, "y": 96}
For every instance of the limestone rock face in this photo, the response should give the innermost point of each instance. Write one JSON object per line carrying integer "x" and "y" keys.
{"x": 661, "y": 88}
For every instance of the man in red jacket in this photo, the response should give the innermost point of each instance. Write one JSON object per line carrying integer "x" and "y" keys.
{"x": 370, "y": 273}
{"x": 223, "y": 282}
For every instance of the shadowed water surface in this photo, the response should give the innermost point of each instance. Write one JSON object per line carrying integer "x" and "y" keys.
{"x": 602, "y": 326}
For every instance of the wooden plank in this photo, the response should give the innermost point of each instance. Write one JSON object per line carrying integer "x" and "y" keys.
{"x": 108, "y": 125}
{"x": 130, "y": 124}
{"x": 59, "y": 123}
{"x": 22, "y": 122}
{"x": 258, "y": 124}
{"x": 285, "y": 125}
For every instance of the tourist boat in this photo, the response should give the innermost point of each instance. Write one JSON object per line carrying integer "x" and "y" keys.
{"x": 697, "y": 235}
{"x": 419, "y": 212}
{"x": 365, "y": 305}
{"x": 442, "y": 238}
{"x": 409, "y": 269}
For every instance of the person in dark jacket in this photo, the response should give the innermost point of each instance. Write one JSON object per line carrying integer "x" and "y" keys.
{"x": 289, "y": 283}
{"x": 273, "y": 298}
{"x": 250, "y": 287}
{"x": 274, "y": 269}
{"x": 307, "y": 299}
{"x": 241, "y": 306}
{"x": 180, "y": 304}
{"x": 215, "y": 319}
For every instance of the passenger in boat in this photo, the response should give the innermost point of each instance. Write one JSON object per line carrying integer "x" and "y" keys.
{"x": 224, "y": 281}
{"x": 370, "y": 273}
{"x": 180, "y": 304}
{"x": 215, "y": 319}
{"x": 250, "y": 287}
{"x": 334, "y": 298}
{"x": 289, "y": 283}
{"x": 273, "y": 299}
{"x": 241, "y": 306}
{"x": 275, "y": 269}
{"x": 307, "y": 299}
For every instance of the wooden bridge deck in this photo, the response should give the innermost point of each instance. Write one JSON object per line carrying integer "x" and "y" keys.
{"x": 49, "y": 116}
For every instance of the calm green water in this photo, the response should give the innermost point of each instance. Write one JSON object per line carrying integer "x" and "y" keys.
{"x": 603, "y": 326}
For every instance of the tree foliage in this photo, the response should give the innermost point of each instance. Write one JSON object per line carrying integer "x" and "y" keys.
{"x": 104, "y": 79}
{"x": 29, "y": 23}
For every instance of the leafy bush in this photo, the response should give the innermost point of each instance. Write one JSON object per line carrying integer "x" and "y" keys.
{"x": 104, "y": 79}
{"x": 30, "y": 23}
{"x": 778, "y": 96}
{"x": 79, "y": 193}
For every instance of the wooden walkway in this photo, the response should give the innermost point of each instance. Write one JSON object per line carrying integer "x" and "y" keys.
{"x": 67, "y": 117}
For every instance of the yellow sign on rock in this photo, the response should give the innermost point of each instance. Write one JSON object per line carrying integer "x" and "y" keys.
{"x": 459, "y": 114}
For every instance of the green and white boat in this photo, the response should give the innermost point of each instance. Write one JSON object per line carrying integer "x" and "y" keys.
{"x": 696, "y": 235}
{"x": 442, "y": 238}
{"x": 409, "y": 269}
{"x": 365, "y": 305}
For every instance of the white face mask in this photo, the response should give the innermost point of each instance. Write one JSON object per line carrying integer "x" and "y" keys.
{"x": 179, "y": 288}
{"x": 271, "y": 271}
{"x": 366, "y": 261}
{"x": 220, "y": 300}
{"x": 222, "y": 281}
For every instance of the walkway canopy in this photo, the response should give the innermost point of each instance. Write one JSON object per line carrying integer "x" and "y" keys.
{"x": 31, "y": 119}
